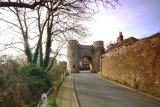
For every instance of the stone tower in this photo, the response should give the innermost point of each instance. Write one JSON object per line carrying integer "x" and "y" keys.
{"x": 73, "y": 56}
{"x": 75, "y": 51}
{"x": 98, "y": 50}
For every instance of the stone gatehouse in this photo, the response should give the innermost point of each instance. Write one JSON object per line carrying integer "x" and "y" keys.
{"x": 76, "y": 51}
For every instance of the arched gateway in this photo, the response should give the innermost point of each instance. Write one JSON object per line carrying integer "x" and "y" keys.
{"x": 75, "y": 52}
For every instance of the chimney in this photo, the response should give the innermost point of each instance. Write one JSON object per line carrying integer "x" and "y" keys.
{"x": 120, "y": 38}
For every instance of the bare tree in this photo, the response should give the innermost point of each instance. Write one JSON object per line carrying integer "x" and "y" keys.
{"x": 55, "y": 26}
{"x": 52, "y": 21}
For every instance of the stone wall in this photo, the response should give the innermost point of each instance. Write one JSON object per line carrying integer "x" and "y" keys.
{"x": 85, "y": 50}
{"x": 136, "y": 65}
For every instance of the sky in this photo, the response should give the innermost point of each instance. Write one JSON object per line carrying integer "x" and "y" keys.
{"x": 136, "y": 18}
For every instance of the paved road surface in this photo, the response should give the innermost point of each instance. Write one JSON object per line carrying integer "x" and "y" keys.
{"x": 93, "y": 91}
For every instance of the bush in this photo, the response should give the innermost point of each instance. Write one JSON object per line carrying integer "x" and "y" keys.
{"x": 40, "y": 81}
{"x": 57, "y": 70}
{"x": 21, "y": 85}
{"x": 136, "y": 84}
{"x": 13, "y": 87}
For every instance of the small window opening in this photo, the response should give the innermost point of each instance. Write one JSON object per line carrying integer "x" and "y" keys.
{"x": 74, "y": 66}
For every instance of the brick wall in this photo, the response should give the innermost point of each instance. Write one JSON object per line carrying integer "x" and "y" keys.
{"x": 137, "y": 65}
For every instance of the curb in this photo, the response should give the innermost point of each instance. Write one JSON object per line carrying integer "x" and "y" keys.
{"x": 78, "y": 102}
{"x": 128, "y": 87}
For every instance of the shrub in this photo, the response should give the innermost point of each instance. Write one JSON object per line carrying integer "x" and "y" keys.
{"x": 57, "y": 70}
{"x": 136, "y": 85}
{"x": 40, "y": 81}
{"x": 21, "y": 85}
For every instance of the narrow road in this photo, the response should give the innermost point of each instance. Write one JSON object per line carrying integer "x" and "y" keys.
{"x": 93, "y": 91}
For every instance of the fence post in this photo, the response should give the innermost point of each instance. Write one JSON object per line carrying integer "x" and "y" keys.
{"x": 64, "y": 74}
{"x": 54, "y": 89}
{"x": 62, "y": 77}
{"x": 44, "y": 100}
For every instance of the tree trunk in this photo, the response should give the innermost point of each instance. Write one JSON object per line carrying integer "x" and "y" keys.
{"x": 48, "y": 49}
{"x": 49, "y": 67}
{"x": 27, "y": 49}
{"x": 41, "y": 55}
{"x": 37, "y": 50}
{"x": 48, "y": 43}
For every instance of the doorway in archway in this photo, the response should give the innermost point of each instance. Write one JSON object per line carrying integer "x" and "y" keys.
{"x": 85, "y": 63}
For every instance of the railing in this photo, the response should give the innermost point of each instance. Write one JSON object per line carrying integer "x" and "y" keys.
{"x": 44, "y": 101}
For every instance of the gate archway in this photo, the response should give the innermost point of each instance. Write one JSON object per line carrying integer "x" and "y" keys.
{"x": 85, "y": 63}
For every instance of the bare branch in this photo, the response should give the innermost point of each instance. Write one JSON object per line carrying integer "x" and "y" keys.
{"x": 21, "y": 4}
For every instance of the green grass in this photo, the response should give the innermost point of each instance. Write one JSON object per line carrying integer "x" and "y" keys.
{"x": 52, "y": 102}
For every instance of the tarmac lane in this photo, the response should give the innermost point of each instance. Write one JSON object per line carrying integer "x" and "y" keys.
{"x": 93, "y": 91}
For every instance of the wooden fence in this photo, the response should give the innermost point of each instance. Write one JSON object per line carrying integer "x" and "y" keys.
{"x": 44, "y": 102}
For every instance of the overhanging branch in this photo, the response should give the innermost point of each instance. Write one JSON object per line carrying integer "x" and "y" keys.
{"x": 20, "y": 4}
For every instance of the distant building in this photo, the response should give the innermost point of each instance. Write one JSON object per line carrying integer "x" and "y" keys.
{"x": 122, "y": 42}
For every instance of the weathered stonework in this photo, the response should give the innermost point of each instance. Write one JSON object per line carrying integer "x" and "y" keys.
{"x": 137, "y": 65}
{"x": 75, "y": 52}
